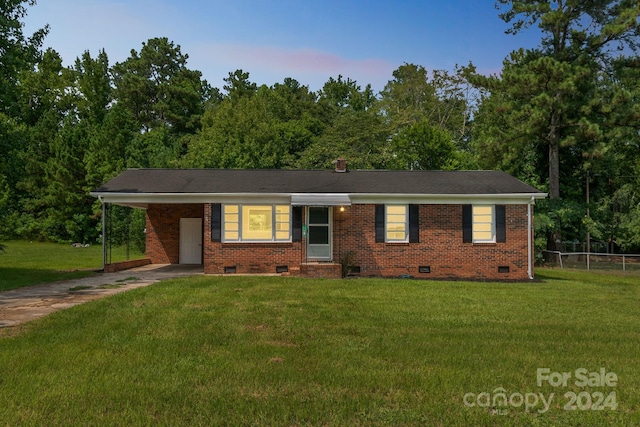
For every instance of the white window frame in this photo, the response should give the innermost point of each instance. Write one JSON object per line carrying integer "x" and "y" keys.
{"x": 405, "y": 239}
{"x": 230, "y": 227}
{"x": 478, "y": 219}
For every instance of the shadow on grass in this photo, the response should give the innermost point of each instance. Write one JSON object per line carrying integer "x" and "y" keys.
{"x": 546, "y": 274}
{"x": 13, "y": 277}
{"x": 607, "y": 279}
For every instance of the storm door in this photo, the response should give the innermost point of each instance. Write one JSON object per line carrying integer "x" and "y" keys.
{"x": 319, "y": 233}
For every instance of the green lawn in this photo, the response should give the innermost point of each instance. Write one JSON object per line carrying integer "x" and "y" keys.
{"x": 28, "y": 263}
{"x": 287, "y": 351}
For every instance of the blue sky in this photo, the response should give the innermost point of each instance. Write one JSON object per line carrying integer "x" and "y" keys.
{"x": 309, "y": 41}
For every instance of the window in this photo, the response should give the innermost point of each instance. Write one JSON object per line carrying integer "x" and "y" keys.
{"x": 256, "y": 223}
{"x": 231, "y": 223}
{"x": 483, "y": 224}
{"x": 283, "y": 222}
{"x": 396, "y": 223}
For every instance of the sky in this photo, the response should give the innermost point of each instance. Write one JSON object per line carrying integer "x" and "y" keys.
{"x": 308, "y": 40}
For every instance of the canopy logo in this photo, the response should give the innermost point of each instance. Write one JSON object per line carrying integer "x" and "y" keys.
{"x": 500, "y": 400}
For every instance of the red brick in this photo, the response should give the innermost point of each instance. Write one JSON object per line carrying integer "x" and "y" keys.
{"x": 441, "y": 247}
{"x": 163, "y": 230}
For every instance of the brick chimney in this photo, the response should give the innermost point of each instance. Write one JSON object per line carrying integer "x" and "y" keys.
{"x": 341, "y": 165}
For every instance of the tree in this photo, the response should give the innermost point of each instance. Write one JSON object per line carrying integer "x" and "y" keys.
{"x": 109, "y": 147}
{"x": 547, "y": 100}
{"x": 17, "y": 51}
{"x": 68, "y": 214}
{"x": 45, "y": 102}
{"x": 615, "y": 167}
{"x": 536, "y": 105}
{"x": 156, "y": 86}
{"x": 165, "y": 99}
{"x": 266, "y": 128}
{"x": 421, "y": 146}
{"x": 443, "y": 100}
{"x": 13, "y": 137}
{"x": 238, "y": 85}
{"x": 93, "y": 82}
{"x": 586, "y": 33}
{"x": 338, "y": 93}
{"x": 358, "y": 136}
{"x": 351, "y": 128}
{"x": 409, "y": 97}
{"x": 427, "y": 119}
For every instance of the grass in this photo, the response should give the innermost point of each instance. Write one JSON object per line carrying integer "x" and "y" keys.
{"x": 287, "y": 351}
{"x": 25, "y": 263}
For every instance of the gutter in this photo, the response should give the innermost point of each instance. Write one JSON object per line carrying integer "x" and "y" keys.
{"x": 355, "y": 198}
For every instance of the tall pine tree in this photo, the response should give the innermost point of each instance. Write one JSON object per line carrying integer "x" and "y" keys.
{"x": 545, "y": 102}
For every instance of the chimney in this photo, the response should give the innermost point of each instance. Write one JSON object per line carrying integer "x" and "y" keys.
{"x": 341, "y": 165}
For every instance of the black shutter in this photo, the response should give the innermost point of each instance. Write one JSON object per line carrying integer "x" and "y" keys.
{"x": 501, "y": 226}
{"x": 216, "y": 222}
{"x": 379, "y": 223}
{"x": 414, "y": 227}
{"x": 297, "y": 224}
{"x": 467, "y": 224}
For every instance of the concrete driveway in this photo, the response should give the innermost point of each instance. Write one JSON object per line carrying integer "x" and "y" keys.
{"x": 28, "y": 303}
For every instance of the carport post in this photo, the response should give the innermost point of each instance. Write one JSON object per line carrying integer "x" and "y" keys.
{"x": 104, "y": 233}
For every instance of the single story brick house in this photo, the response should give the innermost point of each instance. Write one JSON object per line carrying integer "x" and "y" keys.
{"x": 382, "y": 223}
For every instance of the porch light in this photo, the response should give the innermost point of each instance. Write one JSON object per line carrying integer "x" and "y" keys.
{"x": 341, "y": 208}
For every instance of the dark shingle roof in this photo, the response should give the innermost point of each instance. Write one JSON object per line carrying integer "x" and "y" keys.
{"x": 225, "y": 181}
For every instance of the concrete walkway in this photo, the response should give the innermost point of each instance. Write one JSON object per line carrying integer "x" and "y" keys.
{"x": 24, "y": 304}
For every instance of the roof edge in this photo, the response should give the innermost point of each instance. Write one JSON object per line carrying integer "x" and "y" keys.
{"x": 355, "y": 198}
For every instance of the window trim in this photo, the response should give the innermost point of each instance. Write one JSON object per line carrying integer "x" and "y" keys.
{"x": 240, "y": 212}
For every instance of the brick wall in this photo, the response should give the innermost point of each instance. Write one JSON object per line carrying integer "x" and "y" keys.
{"x": 321, "y": 270}
{"x": 114, "y": 267}
{"x": 163, "y": 230}
{"x": 247, "y": 258}
{"x": 440, "y": 248}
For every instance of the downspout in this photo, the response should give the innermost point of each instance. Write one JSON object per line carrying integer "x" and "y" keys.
{"x": 529, "y": 238}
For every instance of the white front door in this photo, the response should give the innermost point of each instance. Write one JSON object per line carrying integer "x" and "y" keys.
{"x": 190, "y": 240}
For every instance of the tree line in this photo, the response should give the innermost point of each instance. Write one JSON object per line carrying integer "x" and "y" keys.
{"x": 557, "y": 116}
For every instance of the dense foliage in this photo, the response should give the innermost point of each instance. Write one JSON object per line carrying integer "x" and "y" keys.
{"x": 567, "y": 112}
{"x": 561, "y": 116}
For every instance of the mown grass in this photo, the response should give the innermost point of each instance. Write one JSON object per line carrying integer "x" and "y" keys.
{"x": 286, "y": 351}
{"x": 26, "y": 263}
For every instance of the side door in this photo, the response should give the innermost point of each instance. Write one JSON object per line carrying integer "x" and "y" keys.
{"x": 190, "y": 240}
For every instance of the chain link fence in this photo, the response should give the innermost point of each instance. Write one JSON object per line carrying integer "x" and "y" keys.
{"x": 592, "y": 261}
